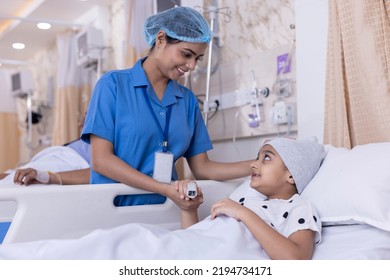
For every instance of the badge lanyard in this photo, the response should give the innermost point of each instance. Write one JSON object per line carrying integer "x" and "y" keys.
{"x": 168, "y": 117}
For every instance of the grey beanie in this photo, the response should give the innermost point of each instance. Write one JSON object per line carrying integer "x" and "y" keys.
{"x": 301, "y": 157}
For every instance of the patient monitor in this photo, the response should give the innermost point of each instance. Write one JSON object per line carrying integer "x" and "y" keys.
{"x": 22, "y": 83}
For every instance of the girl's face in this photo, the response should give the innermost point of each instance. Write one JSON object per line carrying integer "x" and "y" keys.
{"x": 174, "y": 60}
{"x": 269, "y": 174}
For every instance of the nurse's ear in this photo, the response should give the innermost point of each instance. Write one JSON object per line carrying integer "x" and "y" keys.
{"x": 161, "y": 39}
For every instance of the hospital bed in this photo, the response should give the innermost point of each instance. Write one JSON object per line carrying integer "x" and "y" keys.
{"x": 351, "y": 193}
{"x": 48, "y": 211}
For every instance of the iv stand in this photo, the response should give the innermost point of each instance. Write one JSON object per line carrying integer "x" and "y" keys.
{"x": 28, "y": 96}
{"x": 29, "y": 118}
{"x": 213, "y": 15}
{"x": 206, "y": 102}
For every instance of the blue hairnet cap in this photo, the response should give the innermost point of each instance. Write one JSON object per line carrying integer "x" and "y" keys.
{"x": 302, "y": 158}
{"x": 181, "y": 23}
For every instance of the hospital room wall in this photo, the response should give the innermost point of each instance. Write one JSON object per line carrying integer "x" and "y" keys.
{"x": 311, "y": 19}
{"x": 312, "y": 29}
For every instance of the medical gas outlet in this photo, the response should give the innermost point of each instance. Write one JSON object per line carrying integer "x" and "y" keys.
{"x": 238, "y": 98}
{"x": 283, "y": 112}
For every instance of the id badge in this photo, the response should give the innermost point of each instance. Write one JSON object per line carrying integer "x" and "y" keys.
{"x": 163, "y": 163}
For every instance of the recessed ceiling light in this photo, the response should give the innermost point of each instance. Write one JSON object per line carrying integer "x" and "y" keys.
{"x": 18, "y": 46}
{"x": 44, "y": 25}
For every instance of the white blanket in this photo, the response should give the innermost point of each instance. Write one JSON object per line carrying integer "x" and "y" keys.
{"x": 55, "y": 159}
{"x": 221, "y": 238}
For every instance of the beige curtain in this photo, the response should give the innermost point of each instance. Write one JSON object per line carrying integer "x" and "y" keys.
{"x": 72, "y": 93}
{"x": 9, "y": 141}
{"x": 357, "y": 100}
{"x": 136, "y": 13}
{"x": 9, "y": 127}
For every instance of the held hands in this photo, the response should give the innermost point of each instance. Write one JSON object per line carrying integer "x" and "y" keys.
{"x": 190, "y": 198}
{"x": 188, "y": 189}
{"x": 181, "y": 198}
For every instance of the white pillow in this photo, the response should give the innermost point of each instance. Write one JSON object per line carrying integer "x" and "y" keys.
{"x": 244, "y": 190}
{"x": 353, "y": 186}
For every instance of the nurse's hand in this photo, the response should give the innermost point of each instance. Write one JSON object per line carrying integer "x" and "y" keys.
{"x": 177, "y": 195}
{"x": 185, "y": 188}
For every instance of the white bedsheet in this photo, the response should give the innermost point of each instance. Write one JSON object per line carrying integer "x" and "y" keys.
{"x": 221, "y": 238}
{"x": 353, "y": 242}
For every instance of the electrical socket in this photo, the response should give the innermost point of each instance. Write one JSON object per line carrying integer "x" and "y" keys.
{"x": 283, "y": 112}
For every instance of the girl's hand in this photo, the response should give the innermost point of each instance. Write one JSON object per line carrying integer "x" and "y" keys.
{"x": 227, "y": 207}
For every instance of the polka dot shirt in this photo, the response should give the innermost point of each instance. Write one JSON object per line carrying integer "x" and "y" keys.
{"x": 286, "y": 216}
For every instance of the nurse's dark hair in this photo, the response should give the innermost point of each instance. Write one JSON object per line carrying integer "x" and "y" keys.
{"x": 170, "y": 40}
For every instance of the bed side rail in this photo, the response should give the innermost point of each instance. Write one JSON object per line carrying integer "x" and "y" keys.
{"x": 59, "y": 212}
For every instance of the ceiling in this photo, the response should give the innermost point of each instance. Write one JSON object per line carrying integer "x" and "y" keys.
{"x": 18, "y": 19}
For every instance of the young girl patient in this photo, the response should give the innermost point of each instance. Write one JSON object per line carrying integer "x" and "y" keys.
{"x": 269, "y": 219}
{"x": 285, "y": 225}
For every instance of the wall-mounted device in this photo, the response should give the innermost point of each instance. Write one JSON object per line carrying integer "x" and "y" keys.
{"x": 22, "y": 86}
{"x": 89, "y": 45}
{"x": 283, "y": 112}
{"x": 256, "y": 102}
{"x": 22, "y": 83}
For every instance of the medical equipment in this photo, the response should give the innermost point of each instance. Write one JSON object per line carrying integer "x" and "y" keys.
{"x": 212, "y": 12}
{"x": 256, "y": 102}
{"x": 191, "y": 190}
{"x": 90, "y": 49}
{"x": 22, "y": 86}
{"x": 22, "y": 83}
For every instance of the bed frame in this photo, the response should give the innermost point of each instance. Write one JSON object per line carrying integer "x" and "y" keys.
{"x": 61, "y": 212}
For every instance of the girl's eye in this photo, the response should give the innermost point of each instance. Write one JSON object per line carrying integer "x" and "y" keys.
{"x": 267, "y": 157}
{"x": 199, "y": 58}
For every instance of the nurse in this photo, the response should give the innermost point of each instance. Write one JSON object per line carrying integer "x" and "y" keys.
{"x": 140, "y": 121}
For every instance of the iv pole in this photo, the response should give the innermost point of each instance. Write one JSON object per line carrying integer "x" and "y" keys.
{"x": 29, "y": 118}
{"x": 206, "y": 108}
{"x": 212, "y": 10}
{"x": 28, "y": 96}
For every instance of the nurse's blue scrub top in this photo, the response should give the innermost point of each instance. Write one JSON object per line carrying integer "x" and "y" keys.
{"x": 118, "y": 112}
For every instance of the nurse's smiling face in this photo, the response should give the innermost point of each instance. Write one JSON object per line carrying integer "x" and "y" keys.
{"x": 175, "y": 58}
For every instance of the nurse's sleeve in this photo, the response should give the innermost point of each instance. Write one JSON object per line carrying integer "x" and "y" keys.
{"x": 100, "y": 118}
{"x": 200, "y": 142}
